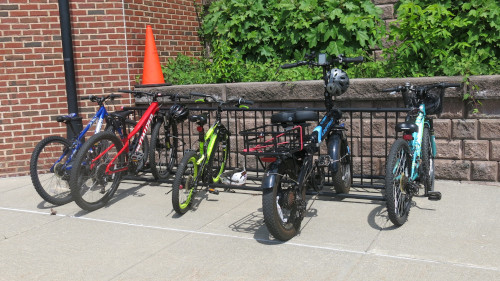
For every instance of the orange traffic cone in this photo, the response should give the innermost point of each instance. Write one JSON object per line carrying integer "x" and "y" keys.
{"x": 151, "y": 73}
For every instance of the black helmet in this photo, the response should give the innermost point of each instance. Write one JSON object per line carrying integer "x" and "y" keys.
{"x": 179, "y": 112}
{"x": 338, "y": 82}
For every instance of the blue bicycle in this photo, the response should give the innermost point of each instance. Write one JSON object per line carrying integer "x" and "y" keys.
{"x": 52, "y": 158}
{"x": 411, "y": 159}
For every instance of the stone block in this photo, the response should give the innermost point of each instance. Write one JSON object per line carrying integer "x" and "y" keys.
{"x": 476, "y": 149}
{"x": 489, "y": 129}
{"x": 464, "y": 129}
{"x": 442, "y": 128}
{"x": 387, "y": 11}
{"x": 495, "y": 150}
{"x": 449, "y": 149}
{"x": 485, "y": 170}
{"x": 368, "y": 166}
{"x": 453, "y": 169}
{"x": 452, "y": 108}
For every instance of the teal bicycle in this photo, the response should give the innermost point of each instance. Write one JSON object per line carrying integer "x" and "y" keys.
{"x": 204, "y": 166}
{"x": 411, "y": 159}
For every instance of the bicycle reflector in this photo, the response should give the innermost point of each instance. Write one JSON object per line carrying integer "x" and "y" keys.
{"x": 407, "y": 137}
{"x": 199, "y": 129}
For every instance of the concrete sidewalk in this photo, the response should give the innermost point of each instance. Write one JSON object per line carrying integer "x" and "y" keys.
{"x": 138, "y": 236}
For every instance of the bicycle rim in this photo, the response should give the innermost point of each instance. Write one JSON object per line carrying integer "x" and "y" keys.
{"x": 48, "y": 170}
{"x": 94, "y": 187}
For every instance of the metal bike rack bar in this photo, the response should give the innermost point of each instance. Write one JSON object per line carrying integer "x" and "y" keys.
{"x": 369, "y": 131}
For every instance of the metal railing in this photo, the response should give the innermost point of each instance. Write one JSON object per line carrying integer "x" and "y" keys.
{"x": 370, "y": 133}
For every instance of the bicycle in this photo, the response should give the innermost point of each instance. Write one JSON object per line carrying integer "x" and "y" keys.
{"x": 411, "y": 159}
{"x": 52, "y": 158}
{"x": 102, "y": 160}
{"x": 206, "y": 164}
{"x": 290, "y": 152}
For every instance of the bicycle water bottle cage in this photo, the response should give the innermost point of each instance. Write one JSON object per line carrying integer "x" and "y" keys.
{"x": 199, "y": 119}
{"x": 121, "y": 115}
{"x": 68, "y": 118}
{"x": 406, "y": 127}
{"x": 294, "y": 117}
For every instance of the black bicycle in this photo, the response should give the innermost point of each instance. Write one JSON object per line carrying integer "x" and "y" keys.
{"x": 291, "y": 153}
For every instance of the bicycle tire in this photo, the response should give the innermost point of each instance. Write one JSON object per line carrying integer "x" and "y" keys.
{"x": 88, "y": 183}
{"x": 427, "y": 161}
{"x": 182, "y": 188}
{"x": 398, "y": 169}
{"x": 273, "y": 207}
{"x": 218, "y": 158}
{"x": 53, "y": 186}
{"x": 342, "y": 178}
{"x": 163, "y": 152}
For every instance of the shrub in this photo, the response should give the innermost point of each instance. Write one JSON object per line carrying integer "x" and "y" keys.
{"x": 445, "y": 37}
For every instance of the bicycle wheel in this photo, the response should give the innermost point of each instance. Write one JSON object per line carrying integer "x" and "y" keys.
{"x": 48, "y": 170}
{"x": 183, "y": 186}
{"x": 90, "y": 187}
{"x": 218, "y": 158}
{"x": 281, "y": 209}
{"x": 398, "y": 169}
{"x": 163, "y": 152}
{"x": 427, "y": 161}
{"x": 342, "y": 178}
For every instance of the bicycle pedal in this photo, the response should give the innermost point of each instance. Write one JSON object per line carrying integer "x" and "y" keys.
{"x": 434, "y": 195}
{"x": 213, "y": 191}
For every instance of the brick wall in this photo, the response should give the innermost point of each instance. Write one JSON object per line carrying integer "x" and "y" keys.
{"x": 108, "y": 40}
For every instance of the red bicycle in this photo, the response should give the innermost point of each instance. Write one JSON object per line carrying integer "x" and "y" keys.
{"x": 104, "y": 158}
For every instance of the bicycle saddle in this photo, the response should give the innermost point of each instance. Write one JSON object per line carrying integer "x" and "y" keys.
{"x": 199, "y": 119}
{"x": 122, "y": 114}
{"x": 406, "y": 127}
{"x": 294, "y": 116}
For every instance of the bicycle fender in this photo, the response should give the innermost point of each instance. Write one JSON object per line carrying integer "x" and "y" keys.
{"x": 334, "y": 147}
{"x": 270, "y": 176}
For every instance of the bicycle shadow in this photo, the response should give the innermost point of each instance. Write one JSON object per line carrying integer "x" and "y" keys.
{"x": 254, "y": 223}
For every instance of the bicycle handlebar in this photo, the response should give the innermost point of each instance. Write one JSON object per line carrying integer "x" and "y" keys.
{"x": 427, "y": 87}
{"x": 338, "y": 59}
{"x": 101, "y": 99}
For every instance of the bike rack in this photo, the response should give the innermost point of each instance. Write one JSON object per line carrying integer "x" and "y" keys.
{"x": 369, "y": 132}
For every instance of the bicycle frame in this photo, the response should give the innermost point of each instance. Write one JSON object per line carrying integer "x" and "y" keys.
{"x": 143, "y": 124}
{"x": 207, "y": 143}
{"x": 77, "y": 143}
{"x": 416, "y": 143}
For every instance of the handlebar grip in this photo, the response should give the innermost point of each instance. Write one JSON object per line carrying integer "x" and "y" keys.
{"x": 397, "y": 89}
{"x": 242, "y": 101}
{"x": 114, "y": 96}
{"x": 199, "y": 95}
{"x": 85, "y": 98}
{"x": 289, "y": 65}
{"x": 359, "y": 59}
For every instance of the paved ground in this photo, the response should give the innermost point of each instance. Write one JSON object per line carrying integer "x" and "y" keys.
{"x": 139, "y": 237}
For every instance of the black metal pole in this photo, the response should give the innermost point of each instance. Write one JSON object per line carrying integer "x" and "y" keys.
{"x": 69, "y": 65}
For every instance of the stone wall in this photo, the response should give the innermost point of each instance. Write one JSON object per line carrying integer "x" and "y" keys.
{"x": 468, "y": 143}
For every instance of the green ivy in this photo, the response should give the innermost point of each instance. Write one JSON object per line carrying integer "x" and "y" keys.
{"x": 285, "y": 29}
{"x": 459, "y": 37}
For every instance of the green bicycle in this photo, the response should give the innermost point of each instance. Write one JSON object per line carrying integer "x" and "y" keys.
{"x": 205, "y": 165}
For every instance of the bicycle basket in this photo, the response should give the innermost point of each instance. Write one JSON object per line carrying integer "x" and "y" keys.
{"x": 273, "y": 140}
{"x": 434, "y": 101}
